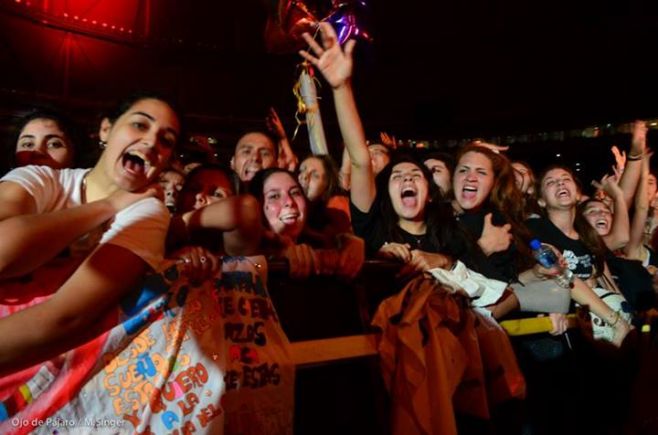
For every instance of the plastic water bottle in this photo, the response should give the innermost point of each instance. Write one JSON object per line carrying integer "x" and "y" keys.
{"x": 547, "y": 258}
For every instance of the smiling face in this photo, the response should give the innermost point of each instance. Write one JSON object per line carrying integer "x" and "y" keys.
{"x": 558, "y": 190}
{"x": 254, "y": 152}
{"x": 284, "y": 205}
{"x": 139, "y": 144}
{"x": 473, "y": 180}
{"x": 313, "y": 178}
{"x": 599, "y": 217}
{"x": 409, "y": 191}
{"x": 440, "y": 174}
{"x": 203, "y": 187}
{"x": 42, "y": 142}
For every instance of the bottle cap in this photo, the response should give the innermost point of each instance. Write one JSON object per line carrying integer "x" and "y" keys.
{"x": 535, "y": 244}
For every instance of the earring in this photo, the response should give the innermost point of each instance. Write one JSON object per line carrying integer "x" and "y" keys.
{"x": 102, "y": 144}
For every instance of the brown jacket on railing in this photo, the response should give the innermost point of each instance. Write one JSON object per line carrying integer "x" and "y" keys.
{"x": 435, "y": 362}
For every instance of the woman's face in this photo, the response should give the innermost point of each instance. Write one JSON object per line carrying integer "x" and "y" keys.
{"x": 284, "y": 205}
{"x": 440, "y": 174}
{"x": 42, "y": 142}
{"x": 559, "y": 190}
{"x": 473, "y": 180}
{"x": 139, "y": 144}
{"x": 204, "y": 187}
{"x": 409, "y": 191}
{"x": 172, "y": 183}
{"x": 599, "y": 217}
{"x": 523, "y": 177}
{"x": 313, "y": 178}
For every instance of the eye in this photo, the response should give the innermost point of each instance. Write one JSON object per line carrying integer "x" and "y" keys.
{"x": 219, "y": 193}
{"x": 56, "y": 144}
{"x": 140, "y": 125}
{"x": 482, "y": 172}
{"x": 296, "y": 191}
{"x": 273, "y": 196}
{"x": 27, "y": 145}
{"x": 265, "y": 153}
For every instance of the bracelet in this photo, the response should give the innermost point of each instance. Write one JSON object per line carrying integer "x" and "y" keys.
{"x": 634, "y": 158}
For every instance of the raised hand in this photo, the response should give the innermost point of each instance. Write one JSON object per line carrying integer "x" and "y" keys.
{"x": 494, "y": 238}
{"x": 610, "y": 185}
{"x": 274, "y": 124}
{"x": 620, "y": 160}
{"x": 334, "y": 63}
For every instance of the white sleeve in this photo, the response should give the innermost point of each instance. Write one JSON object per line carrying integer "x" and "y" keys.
{"x": 39, "y": 182}
{"x": 141, "y": 228}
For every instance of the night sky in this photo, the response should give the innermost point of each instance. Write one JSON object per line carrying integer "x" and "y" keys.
{"x": 435, "y": 70}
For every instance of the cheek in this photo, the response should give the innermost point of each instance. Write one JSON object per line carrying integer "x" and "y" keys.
{"x": 271, "y": 212}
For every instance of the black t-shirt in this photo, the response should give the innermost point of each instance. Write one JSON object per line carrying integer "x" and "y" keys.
{"x": 499, "y": 265}
{"x": 579, "y": 259}
{"x": 459, "y": 246}
{"x": 371, "y": 228}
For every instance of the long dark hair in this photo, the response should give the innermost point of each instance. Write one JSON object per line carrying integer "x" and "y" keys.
{"x": 439, "y": 219}
{"x": 590, "y": 237}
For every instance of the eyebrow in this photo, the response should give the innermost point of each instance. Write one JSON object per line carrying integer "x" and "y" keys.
{"x": 152, "y": 118}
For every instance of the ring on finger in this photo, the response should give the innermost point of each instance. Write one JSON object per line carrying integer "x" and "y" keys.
{"x": 203, "y": 259}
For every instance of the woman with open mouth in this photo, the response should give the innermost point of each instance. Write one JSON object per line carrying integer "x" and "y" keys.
{"x": 584, "y": 252}
{"x": 105, "y": 226}
{"x": 285, "y": 214}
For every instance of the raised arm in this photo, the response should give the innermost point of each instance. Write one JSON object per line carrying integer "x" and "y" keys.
{"x": 287, "y": 158}
{"x": 633, "y": 248}
{"x": 336, "y": 67}
{"x": 24, "y": 232}
{"x": 72, "y": 315}
{"x": 633, "y": 167}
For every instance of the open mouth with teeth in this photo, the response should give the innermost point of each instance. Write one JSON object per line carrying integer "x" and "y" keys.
{"x": 469, "y": 192}
{"x": 601, "y": 224}
{"x": 289, "y": 218}
{"x": 563, "y": 193}
{"x": 136, "y": 163}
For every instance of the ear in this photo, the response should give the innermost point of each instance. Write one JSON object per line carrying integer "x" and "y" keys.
{"x": 104, "y": 131}
{"x": 233, "y": 163}
{"x": 541, "y": 203}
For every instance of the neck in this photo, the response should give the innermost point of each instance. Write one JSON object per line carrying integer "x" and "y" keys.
{"x": 98, "y": 185}
{"x": 416, "y": 228}
{"x": 563, "y": 219}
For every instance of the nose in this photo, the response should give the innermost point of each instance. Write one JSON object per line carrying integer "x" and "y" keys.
{"x": 200, "y": 198}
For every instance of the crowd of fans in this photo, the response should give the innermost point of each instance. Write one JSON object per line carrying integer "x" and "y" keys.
{"x": 425, "y": 210}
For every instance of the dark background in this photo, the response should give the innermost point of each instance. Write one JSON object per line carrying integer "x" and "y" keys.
{"x": 434, "y": 71}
